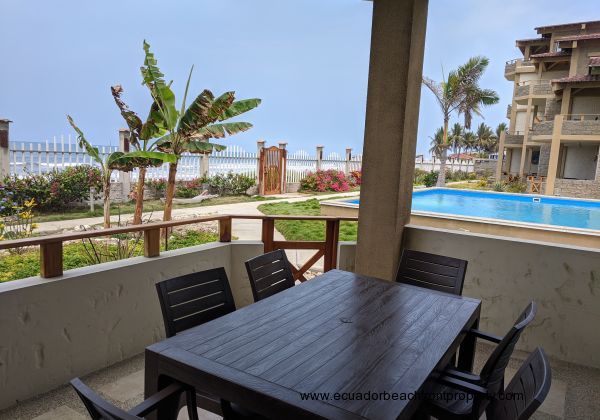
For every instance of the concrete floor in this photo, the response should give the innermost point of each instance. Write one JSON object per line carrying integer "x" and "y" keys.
{"x": 575, "y": 392}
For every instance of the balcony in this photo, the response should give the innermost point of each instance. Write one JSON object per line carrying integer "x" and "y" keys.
{"x": 517, "y": 65}
{"x": 508, "y": 111}
{"x": 573, "y": 125}
{"x": 533, "y": 88}
{"x": 514, "y": 138}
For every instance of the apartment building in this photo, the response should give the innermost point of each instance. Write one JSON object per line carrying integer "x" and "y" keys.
{"x": 554, "y": 132}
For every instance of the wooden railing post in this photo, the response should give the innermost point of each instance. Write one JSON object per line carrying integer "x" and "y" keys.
{"x": 268, "y": 233}
{"x": 332, "y": 233}
{"x": 152, "y": 243}
{"x": 51, "y": 259}
{"x": 225, "y": 230}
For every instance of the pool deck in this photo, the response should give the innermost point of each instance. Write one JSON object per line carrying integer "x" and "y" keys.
{"x": 585, "y": 238}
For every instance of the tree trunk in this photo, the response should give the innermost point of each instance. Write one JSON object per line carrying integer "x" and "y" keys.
{"x": 139, "y": 199}
{"x": 106, "y": 203}
{"x": 170, "y": 193}
{"x": 441, "y": 181}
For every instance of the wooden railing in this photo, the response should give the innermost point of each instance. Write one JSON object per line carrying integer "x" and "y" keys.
{"x": 51, "y": 246}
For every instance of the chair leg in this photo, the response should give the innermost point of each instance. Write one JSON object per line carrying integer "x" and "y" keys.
{"x": 190, "y": 395}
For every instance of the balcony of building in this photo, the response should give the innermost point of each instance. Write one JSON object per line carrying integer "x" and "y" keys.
{"x": 533, "y": 89}
{"x": 518, "y": 65}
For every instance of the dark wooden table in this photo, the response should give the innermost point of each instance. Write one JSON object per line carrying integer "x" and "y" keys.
{"x": 337, "y": 333}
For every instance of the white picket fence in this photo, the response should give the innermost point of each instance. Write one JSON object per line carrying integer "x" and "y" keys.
{"x": 63, "y": 151}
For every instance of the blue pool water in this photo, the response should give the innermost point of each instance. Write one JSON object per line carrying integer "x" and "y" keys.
{"x": 515, "y": 207}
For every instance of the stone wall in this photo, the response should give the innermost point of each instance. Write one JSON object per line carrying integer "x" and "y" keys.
{"x": 485, "y": 167}
{"x": 577, "y": 188}
{"x": 552, "y": 108}
{"x": 513, "y": 139}
{"x": 542, "y": 89}
{"x": 522, "y": 90}
{"x": 543, "y": 128}
{"x": 544, "y": 160}
{"x": 584, "y": 128}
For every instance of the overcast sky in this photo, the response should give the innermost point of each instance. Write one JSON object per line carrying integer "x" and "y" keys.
{"x": 307, "y": 60}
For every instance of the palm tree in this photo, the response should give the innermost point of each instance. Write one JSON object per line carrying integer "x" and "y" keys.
{"x": 470, "y": 140}
{"x": 502, "y": 127}
{"x": 456, "y": 138}
{"x": 486, "y": 138}
{"x": 189, "y": 130}
{"x": 460, "y": 93}
{"x": 437, "y": 142}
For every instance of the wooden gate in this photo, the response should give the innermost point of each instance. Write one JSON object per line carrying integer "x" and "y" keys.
{"x": 271, "y": 178}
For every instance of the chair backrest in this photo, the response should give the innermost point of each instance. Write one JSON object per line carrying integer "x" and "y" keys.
{"x": 269, "y": 274}
{"x": 526, "y": 391}
{"x": 98, "y": 408}
{"x": 493, "y": 370}
{"x": 194, "y": 299}
{"x": 432, "y": 271}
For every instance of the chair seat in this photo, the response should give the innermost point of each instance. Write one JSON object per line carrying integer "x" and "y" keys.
{"x": 449, "y": 403}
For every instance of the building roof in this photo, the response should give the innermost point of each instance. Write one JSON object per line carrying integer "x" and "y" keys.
{"x": 594, "y": 61}
{"x": 533, "y": 41}
{"x": 552, "y": 54}
{"x": 579, "y": 79}
{"x": 549, "y": 28}
{"x": 583, "y": 37}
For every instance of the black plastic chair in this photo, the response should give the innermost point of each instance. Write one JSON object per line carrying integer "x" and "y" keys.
{"x": 436, "y": 272}
{"x": 489, "y": 382}
{"x": 526, "y": 391}
{"x": 100, "y": 409}
{"x": 194, "y": 299}
{"x": 269, "y": 274}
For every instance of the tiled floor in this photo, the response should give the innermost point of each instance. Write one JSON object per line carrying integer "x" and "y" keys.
{"x": 575, "y": 392}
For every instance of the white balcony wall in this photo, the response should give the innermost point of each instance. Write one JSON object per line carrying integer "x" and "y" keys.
{"x": 55, "y": 329}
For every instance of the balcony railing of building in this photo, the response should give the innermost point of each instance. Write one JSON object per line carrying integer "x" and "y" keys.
{"x": 582, "y": 117}
{"x": 533, "y": 87}
{"x": 511, "y": 65}
{"x": 51, "y": 247}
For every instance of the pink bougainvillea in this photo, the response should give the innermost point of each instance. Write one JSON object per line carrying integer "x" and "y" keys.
{"x": 330, "y": 180}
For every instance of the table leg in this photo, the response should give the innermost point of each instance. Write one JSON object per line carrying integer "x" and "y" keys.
{"x": 154, "y": 382}
{"x": 466, "y": 353}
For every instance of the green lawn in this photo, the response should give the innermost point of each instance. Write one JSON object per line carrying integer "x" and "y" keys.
{"x": 78, "y": 254}
{"x": 305, "y": 230}
{"x": 149, "y": 206}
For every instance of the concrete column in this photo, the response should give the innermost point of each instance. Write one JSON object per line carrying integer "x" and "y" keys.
{"x": 204, "y": 165}
{"x": 283, "y": 145}
{"x": 260, "y": 144}
{"x": 500, "y": 156}
{"x": 319, "y": 157}
{"x": 554, "y": 153}
{"x": 125, "y": 177}
{"x": 565, "y": 105}
{"x": 526, "y": 136}
{"x": 347, "y": 168}
{"x": 393, "y": 97}
{"x": 4, "y": 148}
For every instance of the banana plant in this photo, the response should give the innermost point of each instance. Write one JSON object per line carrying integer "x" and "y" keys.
{"x": 113, "y": 161}
{"x": 143, "y": 138}
{"x": 190, "y": 129}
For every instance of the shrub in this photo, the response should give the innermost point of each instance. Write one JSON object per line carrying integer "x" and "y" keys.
{"x": 498, "y": 186}
{"x": 355, "y": 178}
{"x": 229, "y": 184}
{"x": 53, "y": 190}
{"x": 328, "y": 180}
{"x": 188, "y": 189}
{"x": 419, "y": 176}
{"x": 158, "y": 186}
{"x": 430, "y": 179}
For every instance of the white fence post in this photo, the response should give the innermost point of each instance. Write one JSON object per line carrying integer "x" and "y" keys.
{"x": 260, "y": 144}
{"x": 347, "y": 168}
{"x": 124, "y": 177}
{"x": 4, "y": 149}
{"x": 319, "y": 157}
{"x": 204, "y": 165}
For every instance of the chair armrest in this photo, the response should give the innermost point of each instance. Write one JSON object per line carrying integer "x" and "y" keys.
{"x": 152, "y": 403}
{"x": 462, "y": 375}
{"x": 485, "y": 336}
{"x": 463, "y": 386}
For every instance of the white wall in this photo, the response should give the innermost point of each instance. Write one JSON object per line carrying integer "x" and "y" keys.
{"x": 52, "y": 330}
{"x": 585, "y": 105}
{"x": 580, "y": 162}
{"x": 506, "y": 274}
{"x": 515, "y": 160}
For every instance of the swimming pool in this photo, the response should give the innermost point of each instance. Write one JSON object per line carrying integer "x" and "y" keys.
{"x": 561, "y": 212}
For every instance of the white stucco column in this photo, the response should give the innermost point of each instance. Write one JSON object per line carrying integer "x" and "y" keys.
{"x": 204, "y": 165}
{"x": 347, "y": 168}
{"x": 319, "y": 157}
{"x": 125, "y": 177}
{"x": 260, "y": 144}
{"x": 4, "y": 148}
{"x": 395, "y": 75}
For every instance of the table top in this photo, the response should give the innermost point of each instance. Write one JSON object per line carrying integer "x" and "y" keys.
{"x": 337, "y": 333}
